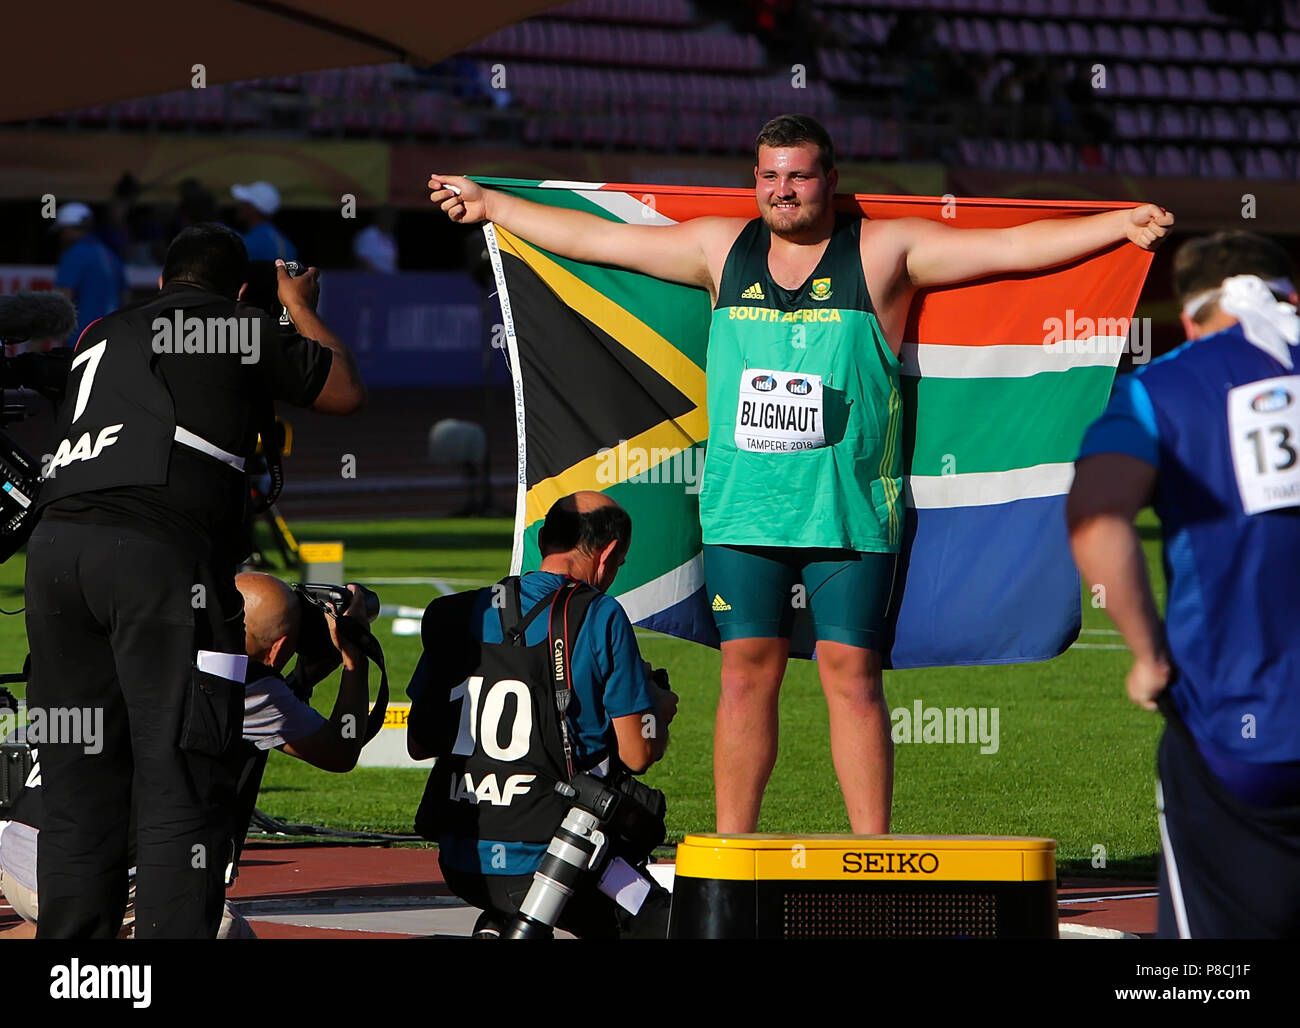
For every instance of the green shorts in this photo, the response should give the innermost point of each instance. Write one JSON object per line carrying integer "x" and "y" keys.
{"x": 756, "y": 591}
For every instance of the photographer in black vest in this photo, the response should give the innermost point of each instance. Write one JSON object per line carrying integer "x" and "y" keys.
{"x": 133, "y": 618}
{"x": 528, "y": 683}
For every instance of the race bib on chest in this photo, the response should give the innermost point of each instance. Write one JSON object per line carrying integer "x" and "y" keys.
{"x": 1264, "y": 433}
{"x": 779, "y": 412}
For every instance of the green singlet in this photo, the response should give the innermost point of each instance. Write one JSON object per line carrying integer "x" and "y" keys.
{"x": 805, "y": 414}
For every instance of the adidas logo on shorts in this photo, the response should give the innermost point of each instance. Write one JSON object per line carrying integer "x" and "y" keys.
{"x": 719, "y": 603}
{"x": 754, "y": 292}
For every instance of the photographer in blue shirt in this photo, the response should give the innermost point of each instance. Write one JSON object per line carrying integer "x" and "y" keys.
{"x": 491, "y": 804}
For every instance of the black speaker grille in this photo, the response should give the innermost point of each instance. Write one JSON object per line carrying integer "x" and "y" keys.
{"x": 830, "y": 915}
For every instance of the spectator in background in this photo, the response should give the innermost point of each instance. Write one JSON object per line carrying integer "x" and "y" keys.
{"x": 375, "y": 247}
{"x": 1094, "y": 125}
{"x": 258, "y": 203}
{"x": 132, "y": 229}
{"x": 113, "y": 228}
{"x": 196, "y": 206}
{"x": 89, "y": 273}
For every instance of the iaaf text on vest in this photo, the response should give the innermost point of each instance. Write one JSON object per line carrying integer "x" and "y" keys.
{"x": 233, "y": 335}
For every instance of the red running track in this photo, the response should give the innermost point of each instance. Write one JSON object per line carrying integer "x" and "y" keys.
{"x": 284, "y": 879}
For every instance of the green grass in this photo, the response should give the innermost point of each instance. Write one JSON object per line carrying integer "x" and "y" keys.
{"x": 1075, "y": 760}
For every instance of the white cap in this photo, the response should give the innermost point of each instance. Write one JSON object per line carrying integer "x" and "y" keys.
{"x": 262, "y": 195}
{"x": 73, "y": 215}
{"x": 376, "y": 249}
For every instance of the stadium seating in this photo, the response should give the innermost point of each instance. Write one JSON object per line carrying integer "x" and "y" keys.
{"x": 1185, "y": 89}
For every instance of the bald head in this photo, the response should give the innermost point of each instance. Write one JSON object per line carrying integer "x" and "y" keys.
{"x": 588, "y": 500}
{"x": 584, "y": 522}
{"x": 585, "y": 536}
{"x": 271, "y": 618}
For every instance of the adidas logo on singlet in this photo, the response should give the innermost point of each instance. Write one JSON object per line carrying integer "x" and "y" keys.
{"x": 719, "y": 603}
{"x": 754, "y": 292}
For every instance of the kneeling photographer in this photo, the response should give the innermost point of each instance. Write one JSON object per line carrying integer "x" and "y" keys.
{"x": 326, "y": 626}
{"x": 533, "y": 696}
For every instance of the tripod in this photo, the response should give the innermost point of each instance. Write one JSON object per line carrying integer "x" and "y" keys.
{"x": 259, "y": 481}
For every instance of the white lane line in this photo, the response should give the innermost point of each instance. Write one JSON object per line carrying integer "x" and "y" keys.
{"x": 1107, "y": 899}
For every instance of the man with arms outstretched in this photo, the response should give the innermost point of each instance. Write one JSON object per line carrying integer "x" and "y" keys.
{"x": 802, "y": 486}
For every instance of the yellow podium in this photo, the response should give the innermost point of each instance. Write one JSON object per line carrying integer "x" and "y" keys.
{"x": 864, "y": 887}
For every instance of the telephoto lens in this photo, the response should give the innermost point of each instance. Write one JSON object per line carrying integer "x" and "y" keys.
{"x": 577, "y": 845}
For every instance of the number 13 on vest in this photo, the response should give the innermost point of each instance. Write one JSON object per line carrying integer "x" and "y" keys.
{"x": 1264, "y": 422}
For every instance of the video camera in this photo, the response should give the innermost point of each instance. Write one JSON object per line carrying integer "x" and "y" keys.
{"x": 620, "y": 815}
{"x": 25, "y": 316}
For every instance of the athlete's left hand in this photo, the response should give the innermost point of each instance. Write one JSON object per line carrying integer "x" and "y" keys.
{"x": 1149, "y": 225}
{"x": 1147, "y": 679}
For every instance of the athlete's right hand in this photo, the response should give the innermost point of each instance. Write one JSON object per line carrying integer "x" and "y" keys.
{"x": 468, "y": 208}
{"x": 1147, "y": 679}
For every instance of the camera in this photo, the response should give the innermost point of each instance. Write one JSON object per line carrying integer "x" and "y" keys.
{"x": 15, "y": 756}
{"x": 20, "y": 473}
{"x": 315, "y": 648}
{"x": 294, "y": 269}
{"x": 317, "y": 656}
{"x": 264, "y": 285}
{"x": 622, "y": 814}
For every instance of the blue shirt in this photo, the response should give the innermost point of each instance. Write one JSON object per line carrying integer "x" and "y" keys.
{"x": 96, "y": 277}
{"x": 1233, "y": 611}
{"x": 267, "y": 243}
{"x": 608, "y": 682}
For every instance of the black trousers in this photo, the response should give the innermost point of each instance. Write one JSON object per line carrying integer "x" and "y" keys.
{"x": 589, "y": 914}
{"x": 1228, "y": 870}
{"x": 113, "y": 621}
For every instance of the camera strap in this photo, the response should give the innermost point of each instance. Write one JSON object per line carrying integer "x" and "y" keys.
{"x": 266, "y": 428}
{"x": 563, "y": 630}
{"x": 567, "y": 611}
{"x": 375, "y": 719}
{"x": 370, "y": 646}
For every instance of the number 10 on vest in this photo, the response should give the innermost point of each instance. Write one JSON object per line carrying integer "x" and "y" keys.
{"x": 480, "y": 725}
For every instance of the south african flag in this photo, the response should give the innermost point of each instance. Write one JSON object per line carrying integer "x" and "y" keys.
{"x": 1000, "y": 379}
